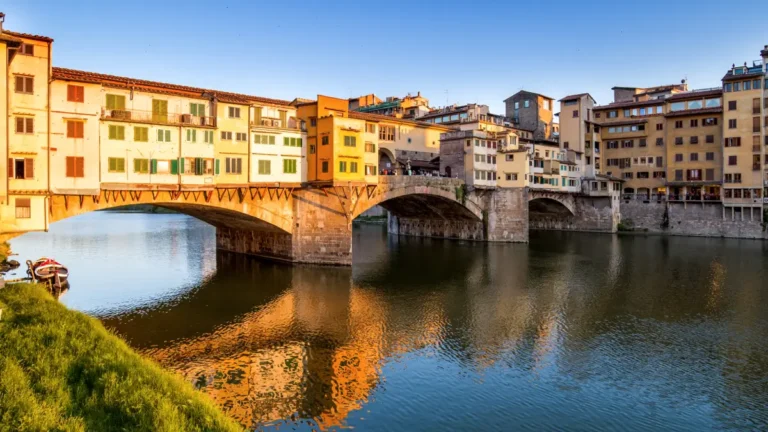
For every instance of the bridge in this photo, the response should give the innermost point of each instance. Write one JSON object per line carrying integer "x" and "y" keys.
{"x": 314, "y": 224}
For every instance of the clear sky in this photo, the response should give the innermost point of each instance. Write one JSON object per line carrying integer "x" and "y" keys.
{"x": 451, "y": 51}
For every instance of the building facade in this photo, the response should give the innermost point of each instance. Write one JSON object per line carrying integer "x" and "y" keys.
{"x": 531, "y": 111}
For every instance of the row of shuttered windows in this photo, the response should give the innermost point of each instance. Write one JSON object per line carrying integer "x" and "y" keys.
{"x": 196, "y": 166}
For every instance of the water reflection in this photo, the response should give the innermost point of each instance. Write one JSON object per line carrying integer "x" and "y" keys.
{"x": 573, "y": 331}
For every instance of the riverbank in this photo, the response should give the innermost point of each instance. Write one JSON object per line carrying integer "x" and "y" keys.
{"x": 62, "y": 370}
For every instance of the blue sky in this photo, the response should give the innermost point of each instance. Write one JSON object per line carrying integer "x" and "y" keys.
{"x": 451, "y": 51}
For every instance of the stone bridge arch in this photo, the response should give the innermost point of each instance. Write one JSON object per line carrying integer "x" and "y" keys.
{"x": 543, "y": 201}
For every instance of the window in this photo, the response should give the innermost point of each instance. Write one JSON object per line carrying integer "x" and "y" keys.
{"x": 324, "y": 140}
{"x": 116, "y": 165}
{"x": 370, "y": 128}
{"x": 27, "y": 49}
{"x": 241, "y": 136}
{"x": 677, "y": 106}
{"x": 74, "y": 129}
{"x": 313, "y": 121}
{"x": 710, "y": 156}
{"x": 115, "y": 102}
{"x": 732, "y": 160}
{"x": 694, "y": 157}
{"x": 526, "y": 103}
{"x": 709, "y": 174}
{"x": 709, "y": 121}
{"x": 575, "y": 113}
{"x": 694, "y": 123}
{"x": 728, "y": 179}
{"x": 747, "y": 85}
{"x": 756, "y": 124}
{"x": 25, "y": 84}
{"x": 756, "y": 106}
{"x": 613, "y": 114}
{"x": 756, "y": 84}
{"x": 324, "y": 166}
{"x": 627, "y": 175}
{"x": 191, "y": 135}
{"x": 732, "y": 124}
{"x": 659, "y": 161}
{"x": 75, "y": 93}
{"x": 678, "y": 157}
{"x": 627, "y": 144}
{"x": 370, "y": 147}
{"x": 694, "y": 140}
{"x": 197, "y": 109}
{"x": 643, "y": 142}
{"x": 353, "y": 167}
{"x": 350, "y": 141}
{"x": 659, "y": 126}
{"x": 678, "y": 124}
{"x": 21, "y": 168}
{"x": 140, "y": 134}
{"x": 659, "y": 141}
{"x": 517, "y": 105}
{"x": 226, "y": 136}
{"x": 678, "y": 140}
{"x": 312, "y": 149}
{"x": 164, "y": 135}
{"x": 737, "y": 86}
{"x": 370, "y": 170}
{"x": 208, "y": 137}
{"x": 233, "y": 165}
{"x": 643, "y": 175}
{"x": 141, "y": 166}
{"x": 343, "y": 166}
{"x": 163, "y": 166}
{"x": 263, "y": 139}
{"x": 694, "y": 174}
{"x": 116, "y": 132}
{"x": 265, "y": 167}
{"x": 387, "y": 133}
{"x": 737, "y": 178}
{"x": 23, "y": 208}
{"x": 731, "y": 105}
{"x": 733, "y": 142}
{"x": 234, "y": 112}
{"x": 25, "y": 125}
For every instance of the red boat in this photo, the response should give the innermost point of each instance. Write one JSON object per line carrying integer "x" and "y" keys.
{"x": 45, "y": 269}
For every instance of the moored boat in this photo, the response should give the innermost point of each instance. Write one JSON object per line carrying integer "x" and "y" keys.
{"x": 45, "y": 269}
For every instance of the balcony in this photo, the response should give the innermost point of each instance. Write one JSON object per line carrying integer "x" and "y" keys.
{"x": 139, "y": 116}
{"x": 276, "y": 123}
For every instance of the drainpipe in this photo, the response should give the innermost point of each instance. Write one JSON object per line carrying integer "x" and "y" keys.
{"x": 48, "y": 134}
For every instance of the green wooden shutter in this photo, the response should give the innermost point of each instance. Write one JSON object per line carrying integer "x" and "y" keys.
{"x": 110, "y": 102}
{"x": 121, "y": 132}
{"x": 121, "y": 164}
{"x": 198, "y": 166}
{"x": 271, "y": 139}
{"x": 112, "y": 164}
{"x": 217, "y": 166}
{"x": 153, "y": 166}
{"x": 112, "y": 131}
{"x": 174, "y": 166}
{"x": 257, "y": 116}
{"x": 159, "y": 135}
{"x": 182, "y": 169}
{"x": 136, "y": 165}
{"x": 120, "y": 102}
{"x": 193, "y": 109}
{"x": 299, "y": 142}
{"x": 286, "y": 141}
{"x": 167, "y": 135}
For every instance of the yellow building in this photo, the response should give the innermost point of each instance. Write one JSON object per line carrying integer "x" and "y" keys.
{"x": 26, "y": 78}
{"x": 744, "y": 123}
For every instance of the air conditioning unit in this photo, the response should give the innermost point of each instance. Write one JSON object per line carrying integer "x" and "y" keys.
{"x": 121, "y": 114}
{"x": 186, "y": 118}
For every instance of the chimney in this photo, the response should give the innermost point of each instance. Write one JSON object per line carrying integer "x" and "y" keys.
{"x": 2, "y": 20}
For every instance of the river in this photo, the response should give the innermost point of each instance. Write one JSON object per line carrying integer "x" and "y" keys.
{"x": 571, "y": 331}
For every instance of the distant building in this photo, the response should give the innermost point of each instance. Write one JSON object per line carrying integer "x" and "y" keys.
{"x": 579, "y": 132}
{"x": 532, "y": 111}
{"x": 641, "y": 94}
{"x": 409, "y": 107}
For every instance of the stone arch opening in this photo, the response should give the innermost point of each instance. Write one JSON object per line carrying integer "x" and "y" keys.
{"x": 549, "y": 213}
{"x": 387, "y": 162}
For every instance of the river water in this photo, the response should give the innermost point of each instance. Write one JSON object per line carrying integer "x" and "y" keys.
{"x": 570, "y": 332}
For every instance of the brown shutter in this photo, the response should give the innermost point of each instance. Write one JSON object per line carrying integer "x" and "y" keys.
{"x": 70, "y": 93}
{"x": 10, "y": 167}
{"x": 19, "y": 124}
{"x": 80, "y": 166}
{"x": 70, "y": 129}
{"x": 81, "y": 94}
{"x": 19, "y": 84}
{"x": 80, "y": 126}
{"x": 70, "y": 166}
{"x": 29, "y": 168}
{"x": 30, "y": 125}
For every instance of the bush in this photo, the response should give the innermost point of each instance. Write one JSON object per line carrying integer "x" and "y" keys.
{"x": 62, "y": 370}
{"x": 626, "y": 225}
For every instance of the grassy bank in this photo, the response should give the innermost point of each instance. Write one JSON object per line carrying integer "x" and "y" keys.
{"x": 62, "y": 370}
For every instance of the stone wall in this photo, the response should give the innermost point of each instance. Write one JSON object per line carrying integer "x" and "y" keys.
{"x": 266, "y": 244}
{"x": 590, "y": 214}
{"x": 507, "y": 215}
{"x": 707, "y": 220}
{"x": 322, "y": 233}
{"x": 441, "y": 228}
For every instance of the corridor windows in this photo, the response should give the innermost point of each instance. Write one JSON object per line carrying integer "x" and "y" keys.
{"x": 75, "y": 93}
{"x": 387, "y": 133}
{"x": 141, "y": 166}
{"x": 226, "y": 136}
{"x": 370, "y": 170}
{"x": 370, "y": 147}
{"x": 164, "y": 135}
{"x": 140, "y": 134}
{"x": 208, "y": 137}
{"x": 265, "y": 167}
{"x": 234, "y": 112}
{"x": 241, "y": 136}
{"x": 233, "y": 165}
{"x": 350, "y": 141}
{"x": 115, "y": 102}
{"x": 289, "y": 166}
{"x": 353, "y": 167}
{"x": 342, "y": 166}
{"x": 293, "y": 141}
{"x": 263, "y": 139}
{"x": 191, "y": 135}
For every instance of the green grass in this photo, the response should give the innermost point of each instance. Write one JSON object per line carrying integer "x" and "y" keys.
{"x": 61, "y": 370}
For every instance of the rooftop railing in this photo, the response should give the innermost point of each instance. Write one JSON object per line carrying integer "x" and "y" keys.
{"x": 158, "y": 118}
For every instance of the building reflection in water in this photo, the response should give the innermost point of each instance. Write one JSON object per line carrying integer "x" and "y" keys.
{"x": 309, "y": 346}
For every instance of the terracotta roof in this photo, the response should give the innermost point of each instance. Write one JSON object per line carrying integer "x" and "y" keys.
{"x": 529, "y": 92}
{"x": 576, "y": 96}
{"x": 12, "y": 39}
{"x": 698, "y": 111}
{"x": 118, "y": 81}
{"x": 28, "y": 36}
{"x": 379, "y": 117}
{"x": 695, "y": 94}
{"x": 629, "y": 104}
{"x": 731, "y": 77}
